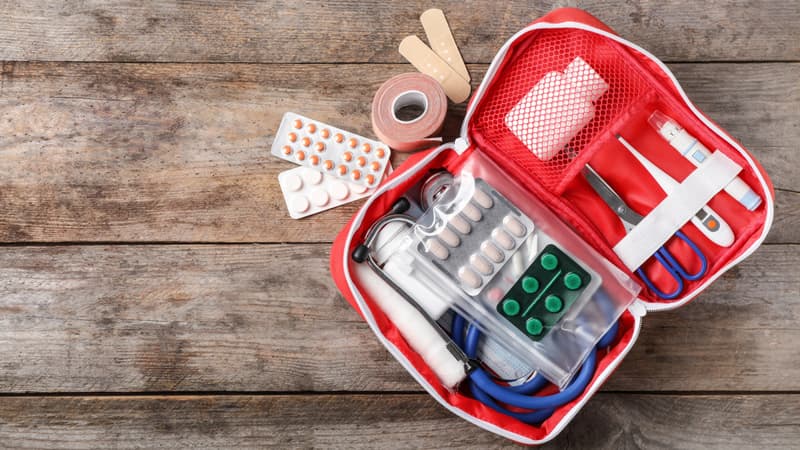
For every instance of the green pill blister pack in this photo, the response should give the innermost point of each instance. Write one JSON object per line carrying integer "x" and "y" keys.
{"x": 544, "y": 293}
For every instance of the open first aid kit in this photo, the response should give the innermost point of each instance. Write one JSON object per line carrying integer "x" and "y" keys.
{"x": 509, "y": 271}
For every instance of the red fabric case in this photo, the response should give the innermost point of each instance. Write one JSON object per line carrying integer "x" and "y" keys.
{"x": 638, "y": 84}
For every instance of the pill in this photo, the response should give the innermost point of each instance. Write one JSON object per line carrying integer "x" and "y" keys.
{"x": 492, "y": 252}
{"x": 494, "y": 294}
{"x": 472, "y": 212}
{"x": 342, "y": 170}
{"x": 300, "y": 155}
{"x": 358, "y": 188}
{"x": 299, "y": 204}
{"x": 297, "y": 123}
{"x": 311, "y": 128}
{"x": 461, "y": 225}
{"x": 553, "y": 303}
{"x": 319, "y": 197}
{"x": 293, "y": 182}
{"x": 483, "y": 199}
{"x": 469, "y": 277}
{"x": 503, "y": 239}
{"x": 375, "y": 166}
{"x": 448, "y": 237}
{"x": 370, "y": 179}
{"x": 534, "y": 326}
{"x": 355, "y": 175}
{"x": 338, "y": 138}
{"x": 347, "y": 156}
{"x": 312, "y": 177}
{"x": 572, "y": 281}
{"x": 328, "y": 164}
{"x": 514, "y": 226}
{"x": 549, "y": 261}
{"x": 286, "y": 150}
{"x": 361, "y": 161}
{"x": 380, "y": 152}
{"x": 339, "y": 190}
{"x": 352, "y": 142}
{"x": 292, "y": 137}
{"x": 435, "y": 247}
{"x": 530, "y": 284}
{"x": 314, "y": 159}
{"x": 325, "y": 133}
{"x": 510, "y": 307}
{"x": 305, "y": 141}
{"x": 366, "y": 148}
{"x": 480, "y": 264}
{"x": 319, "y": 147}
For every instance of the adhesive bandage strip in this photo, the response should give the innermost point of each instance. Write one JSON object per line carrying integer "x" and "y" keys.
{"x": 442, "y": 42}
{"x": 428, "y": 62}
{"x": 308, "y": 191}
{"x": 331, "y": 150}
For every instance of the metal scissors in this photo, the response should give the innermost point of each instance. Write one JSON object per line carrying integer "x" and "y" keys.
{"x": 630, "y": 219}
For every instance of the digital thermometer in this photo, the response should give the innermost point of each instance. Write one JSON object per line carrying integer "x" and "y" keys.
{"x": 691, "y": 149}
{"x": 706, "y": 219}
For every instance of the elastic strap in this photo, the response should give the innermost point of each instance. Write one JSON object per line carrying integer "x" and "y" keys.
{"x": 676, "y": 209}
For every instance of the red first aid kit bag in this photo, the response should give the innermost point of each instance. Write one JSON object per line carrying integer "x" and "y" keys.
{"x": 540, "y": 144}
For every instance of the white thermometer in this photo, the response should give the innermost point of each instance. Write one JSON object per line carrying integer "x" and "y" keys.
{"x": 706, "y": 219}
{"x": 697, "y": 154}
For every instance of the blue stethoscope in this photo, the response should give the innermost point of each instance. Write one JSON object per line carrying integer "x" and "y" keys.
{"x": 630, "y": 219}
{"x": 494, "y": 395}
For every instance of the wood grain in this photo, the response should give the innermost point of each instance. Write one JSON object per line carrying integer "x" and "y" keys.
{"x": 180, "y": 153}
{"x": 609, "y": 421}
{"x": 268, "y": 318}
{"x": 369, "y": 31}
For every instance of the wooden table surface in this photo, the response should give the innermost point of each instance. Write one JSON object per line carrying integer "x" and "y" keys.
{"x": 154, "y": 292}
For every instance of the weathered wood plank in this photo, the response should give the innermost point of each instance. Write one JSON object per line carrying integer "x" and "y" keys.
{"x": 268, "y": 318}
{"x": 609, "y": 421}
{"x": 162, "y": 152}
{"x": 369, "y": 31}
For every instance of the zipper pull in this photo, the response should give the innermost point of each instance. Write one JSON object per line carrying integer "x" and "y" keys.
{"x": 638, "y": 308}
{"x": 460, "y": 145}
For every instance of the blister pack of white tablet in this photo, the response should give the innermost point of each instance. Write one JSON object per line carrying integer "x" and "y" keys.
{"x": 308, "y": 191}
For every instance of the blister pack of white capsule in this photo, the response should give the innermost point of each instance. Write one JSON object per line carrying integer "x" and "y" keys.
{"x": 308, "y": 191}
{"x": 473, "y": 235}
{"x": 330, "y": 150}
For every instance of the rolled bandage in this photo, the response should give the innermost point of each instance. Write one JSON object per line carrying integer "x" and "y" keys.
{"x": 401, "y": 91}
{"x": 413, "y": 326}
{"x": 556, "y": 109}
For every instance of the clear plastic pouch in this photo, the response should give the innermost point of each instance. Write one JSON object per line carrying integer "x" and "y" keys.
{"x": 490, "y": 251}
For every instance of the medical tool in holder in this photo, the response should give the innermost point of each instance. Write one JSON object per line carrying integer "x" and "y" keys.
{"x": 691, "y": 149}
{"x": 708, "y": 221}
{"x": 630, "y": 219}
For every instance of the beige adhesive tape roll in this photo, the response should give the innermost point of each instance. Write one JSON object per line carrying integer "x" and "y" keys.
{"x": 409, "y": 89}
